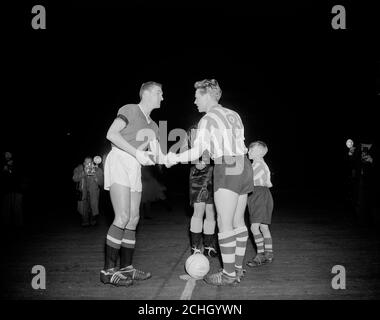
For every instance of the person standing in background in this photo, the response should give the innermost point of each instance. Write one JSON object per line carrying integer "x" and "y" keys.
{"x": 12, "y": 189}
{"x": 89, "y": 179}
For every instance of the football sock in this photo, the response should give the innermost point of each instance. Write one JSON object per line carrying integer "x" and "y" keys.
{"x": 227, "y": 244}
{"x": 127, "y": 248}
{"x": 268, "y": 245}
{"x": 241, "y": 245}
{"x": 113, "y": 243}
{"x": 259, "y": 240}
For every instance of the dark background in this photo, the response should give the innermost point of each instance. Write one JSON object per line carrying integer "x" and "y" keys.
{"x": 299, "y": 85}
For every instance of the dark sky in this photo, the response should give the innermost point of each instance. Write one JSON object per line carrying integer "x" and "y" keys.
{"x": 299, "y": 85}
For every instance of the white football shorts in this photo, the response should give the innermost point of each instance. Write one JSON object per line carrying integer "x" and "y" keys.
{"x": 122, "y": 168}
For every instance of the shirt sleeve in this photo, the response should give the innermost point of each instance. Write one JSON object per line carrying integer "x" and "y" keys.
{"x": 125, "y": 113}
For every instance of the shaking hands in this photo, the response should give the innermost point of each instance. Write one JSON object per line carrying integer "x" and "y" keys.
{"x": 171, "y": 159}
{"x": 146, "y": 158}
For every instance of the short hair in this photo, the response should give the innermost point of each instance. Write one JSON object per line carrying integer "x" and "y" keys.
{"x": 148, "y": 86}
{"x": 209, "y": 86}
{"x": 259, "y": 144}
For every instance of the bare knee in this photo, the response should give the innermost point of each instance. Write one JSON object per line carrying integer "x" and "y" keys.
{"x": 239, "y": 222}
{"x": 133, "y": 222}
{"x": 199, "y": 210}
{"x": 265, "y": 230}
{"x": 255, "y": 228}
{"x": 121, "y": 220}
{"x": 224, "y": 225}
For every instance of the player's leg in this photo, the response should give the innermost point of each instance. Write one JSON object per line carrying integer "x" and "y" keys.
{"x": 259, "y": 259}
{"x": 264, "y": 227}
{"x": 129, "y": 241}
{"x": 198, "y": 197}
{"x": 225, "y": 203}
{"x": 196, "y": 226}
{"x": 209, "y": 231}
{"x": 120, "y": 199}
{"x": 268, "y": 248}
{"x": 129, "y": 237}
{"x": 241, "y": 233}
{"x": 257, "y": 214}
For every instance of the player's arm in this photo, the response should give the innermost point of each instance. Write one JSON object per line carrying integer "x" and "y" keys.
{"x": 269, "y": 183}
{"x": 191, "y": 154}
{"x": 155, "y": 147}
{"x": 201, "y": 143}
{"x": 114, "y": 135}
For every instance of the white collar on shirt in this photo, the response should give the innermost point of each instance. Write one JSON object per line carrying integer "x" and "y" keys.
{"x": 148, "y": 119}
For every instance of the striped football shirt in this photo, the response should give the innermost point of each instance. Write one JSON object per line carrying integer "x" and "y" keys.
{"x": 261, "y": 174}
{"x": 221, "y": 132}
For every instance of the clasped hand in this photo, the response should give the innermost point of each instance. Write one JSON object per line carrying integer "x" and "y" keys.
{"x": 171, "y": 159}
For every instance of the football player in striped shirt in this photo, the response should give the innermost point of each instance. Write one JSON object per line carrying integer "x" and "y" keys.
{"x": 260, "y": 205}
{"x": 221, "y": 132}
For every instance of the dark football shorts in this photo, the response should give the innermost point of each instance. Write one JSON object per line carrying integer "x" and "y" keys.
{"x": 260, "y": 205}
{"x": 201, "y": 189}
{"x": 234, "y": 173}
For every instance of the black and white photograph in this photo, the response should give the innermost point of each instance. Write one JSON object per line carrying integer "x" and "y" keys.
{"x": 220, "y": 152}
